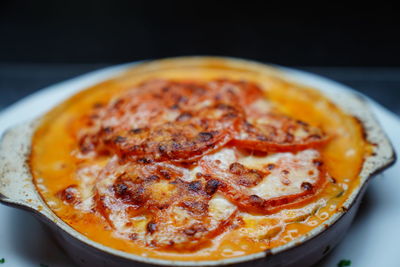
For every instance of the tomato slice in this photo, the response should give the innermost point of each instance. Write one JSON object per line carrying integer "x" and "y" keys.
{"x": 241, "y": 93}
{"x": 278, "y": 133}
{"x": 157, "y": 206}
{"x": 190, "y": 136}
{"x": 226, "y": 178}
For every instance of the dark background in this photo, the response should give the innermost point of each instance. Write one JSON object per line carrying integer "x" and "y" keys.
{"x": 328, "y": 34}
{"x": 43, "y": 42}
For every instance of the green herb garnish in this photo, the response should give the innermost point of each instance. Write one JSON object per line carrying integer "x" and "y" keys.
{"x": 2, "y": 260}
{"x": 344, "y": 263}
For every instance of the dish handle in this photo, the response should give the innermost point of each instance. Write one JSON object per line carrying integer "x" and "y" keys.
{"x": 16, "y": 186}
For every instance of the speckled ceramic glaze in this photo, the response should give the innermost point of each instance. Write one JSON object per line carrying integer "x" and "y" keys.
{"x": 17, "y": 189}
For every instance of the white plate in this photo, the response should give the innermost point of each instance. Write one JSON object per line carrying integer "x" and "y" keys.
{"x": 371, "y": 241}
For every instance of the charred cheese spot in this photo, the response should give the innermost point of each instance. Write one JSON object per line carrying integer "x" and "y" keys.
{"x": 70, "y": 195}
{"x": 212, "y": 186}
{"x": 244, "y": 176}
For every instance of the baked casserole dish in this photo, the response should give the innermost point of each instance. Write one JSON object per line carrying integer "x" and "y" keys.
{"x": 196, "y": 161}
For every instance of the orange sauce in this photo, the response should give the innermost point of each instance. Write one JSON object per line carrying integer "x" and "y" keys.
{"x": 53, "y": 165}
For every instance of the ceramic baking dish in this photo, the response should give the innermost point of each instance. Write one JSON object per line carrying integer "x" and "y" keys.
{"x": 18, "y": 190}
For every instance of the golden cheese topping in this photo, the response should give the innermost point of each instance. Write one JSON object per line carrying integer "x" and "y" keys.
{"x": 208, "y": 164}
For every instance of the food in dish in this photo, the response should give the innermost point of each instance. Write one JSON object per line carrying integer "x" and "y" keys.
{"x": 191, "y": 159}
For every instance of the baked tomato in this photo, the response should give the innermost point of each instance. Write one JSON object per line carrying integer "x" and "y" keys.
{"x": 278, "y": 133}
{"x": 284, "y": 181}
{"x": 158, "y": 206}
